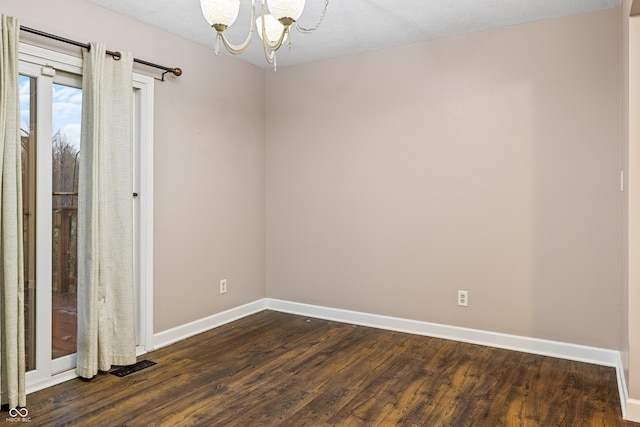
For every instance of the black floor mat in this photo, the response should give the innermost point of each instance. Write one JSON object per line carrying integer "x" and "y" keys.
{"x": 126, "y": 370}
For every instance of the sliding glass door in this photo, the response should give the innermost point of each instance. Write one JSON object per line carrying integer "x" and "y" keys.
{"x": 50, "y": 112}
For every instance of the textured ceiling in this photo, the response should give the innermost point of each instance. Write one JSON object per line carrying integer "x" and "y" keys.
{"x": 354, "y": 26}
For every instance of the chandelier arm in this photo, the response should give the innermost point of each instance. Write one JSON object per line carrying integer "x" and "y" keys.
{"x": 318, "y": 22}
{"x": 276, "y": 45}
{"x": 237, "y": 49}
{"x": 268, "y": 53}
{"x": 270, "y": 56}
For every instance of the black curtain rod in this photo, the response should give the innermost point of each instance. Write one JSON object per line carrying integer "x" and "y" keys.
{"x": 175, "y": 71}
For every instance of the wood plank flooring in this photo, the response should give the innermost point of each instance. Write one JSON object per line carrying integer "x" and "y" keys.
{"x": 276, "y": 369}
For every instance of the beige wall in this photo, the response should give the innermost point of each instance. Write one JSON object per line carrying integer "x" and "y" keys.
{"x": 209, "y": 160}
{"x": 625, "y": 43}
{"x": 634, "y": 205}
{"x": 488, "y": 162}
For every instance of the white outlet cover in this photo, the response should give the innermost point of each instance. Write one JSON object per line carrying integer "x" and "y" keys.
{"x": 463, "y": 298}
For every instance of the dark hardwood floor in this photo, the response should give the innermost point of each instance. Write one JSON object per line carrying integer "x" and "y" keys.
{"x": 276, "y": 369}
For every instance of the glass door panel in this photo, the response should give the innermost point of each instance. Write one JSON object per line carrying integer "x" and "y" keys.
{"x": 66, "y": 117}
{"x": 28, "y": 142}
{"x": 59, "y": 115}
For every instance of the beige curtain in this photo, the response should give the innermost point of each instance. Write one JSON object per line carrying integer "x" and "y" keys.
{"x": 12, "y": 357}
{"x": 106, "y": 321}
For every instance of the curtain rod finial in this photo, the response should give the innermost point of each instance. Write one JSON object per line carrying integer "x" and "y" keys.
{"x": 175, "y": 71}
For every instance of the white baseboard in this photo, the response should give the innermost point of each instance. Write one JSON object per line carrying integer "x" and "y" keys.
{"x": 598, "y": 356}
{"x": 623, "y": 391}
{"x": 580, "y": 353}
{"x": 170, "y": 336}
{"x": 561, "y": 350}
{"x": 37, "y": 385}
{"x": 633, "y": 410}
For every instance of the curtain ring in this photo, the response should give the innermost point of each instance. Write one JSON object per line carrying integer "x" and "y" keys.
{"x": 117, "y": 56}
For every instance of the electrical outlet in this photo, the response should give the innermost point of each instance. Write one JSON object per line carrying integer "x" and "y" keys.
{"x": 223, "y": 286}
{"x": 463, "y": 298}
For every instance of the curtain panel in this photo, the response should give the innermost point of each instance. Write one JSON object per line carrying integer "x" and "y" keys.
{"x": 106, "y": 317}
{"x": 12, "y": 349}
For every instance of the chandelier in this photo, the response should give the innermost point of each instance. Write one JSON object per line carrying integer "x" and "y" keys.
{"x": 273, "y": 28}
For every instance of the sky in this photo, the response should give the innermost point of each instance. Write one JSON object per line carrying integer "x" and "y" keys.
{"x": 66, "y": 111}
